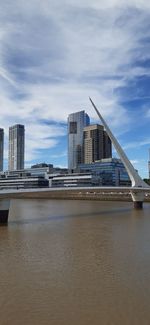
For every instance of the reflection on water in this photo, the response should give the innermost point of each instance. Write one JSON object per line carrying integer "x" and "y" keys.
{"x": 75, "y": 262}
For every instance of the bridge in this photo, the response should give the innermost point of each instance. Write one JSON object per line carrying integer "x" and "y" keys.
{"x": 137, "y": 191}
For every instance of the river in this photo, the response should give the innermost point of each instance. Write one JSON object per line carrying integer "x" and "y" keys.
{"x": 75, "y": 263}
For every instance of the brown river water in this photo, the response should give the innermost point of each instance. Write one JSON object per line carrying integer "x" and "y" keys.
{"x": 75, "y": 263}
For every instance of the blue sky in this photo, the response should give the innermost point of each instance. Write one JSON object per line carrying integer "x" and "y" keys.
{"x": 55, "y": 54}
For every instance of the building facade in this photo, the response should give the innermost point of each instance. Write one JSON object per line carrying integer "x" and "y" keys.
{"x": 97, "y": 144}
{"x": 23, "y": 182}
{"x": 76, "y": 123}
{"x": 149, "y": 165}
{"x": 74, "y": 180}
{"x": 1, "y": 148}
{"x": 107, "y": 149}
{"x": 16, "y": 147}
{"x": 111, "y": 172}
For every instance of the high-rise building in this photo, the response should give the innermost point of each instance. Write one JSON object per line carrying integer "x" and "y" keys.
{"x": 16, "y": 147}
{"x": 149, "y": 165}
{"x": 97, "y": 144}
{"x": 107, "y": 146}
{"x": 1, "y": 148}
{"x": 93, "y": 143}
{"x": 76, "y": 123}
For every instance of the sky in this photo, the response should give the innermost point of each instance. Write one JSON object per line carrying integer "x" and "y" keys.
{"x": 55, "y": 54}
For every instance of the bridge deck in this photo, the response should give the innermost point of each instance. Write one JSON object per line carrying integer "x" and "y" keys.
{"x": 67, "y": 192}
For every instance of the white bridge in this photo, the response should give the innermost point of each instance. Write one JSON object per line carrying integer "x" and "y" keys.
{"x": 138, "y": 189}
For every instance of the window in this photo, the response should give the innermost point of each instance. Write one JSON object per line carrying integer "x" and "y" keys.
{"x": 73, "y": 127}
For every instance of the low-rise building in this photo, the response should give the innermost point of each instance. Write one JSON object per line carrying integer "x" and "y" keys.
{"x": 111, "y": 171}
{"x": 74, "y": 180}
{"x": 23, "y": 182}
{"x": 40, "y": 175}
{"x": 36, "y": 170}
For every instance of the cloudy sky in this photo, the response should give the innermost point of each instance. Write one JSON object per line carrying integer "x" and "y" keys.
{"x": 55, "y": 54}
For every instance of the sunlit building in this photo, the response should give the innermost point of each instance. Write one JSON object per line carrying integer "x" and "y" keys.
{"x": 16, "y": 147}
{"x": 97, "y": 144}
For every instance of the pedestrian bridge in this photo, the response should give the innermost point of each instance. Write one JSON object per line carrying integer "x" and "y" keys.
{"x": 136, "y": 194}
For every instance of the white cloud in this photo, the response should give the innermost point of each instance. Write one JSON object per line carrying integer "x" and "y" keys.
{"x": 137, "y": 144}
{"x": 135, "y": 161}
{"x": 54, "y": 55}
{"x": 147, "y": 113}
{"x": 41, "y": 137}
{"x": 60, "y": 155}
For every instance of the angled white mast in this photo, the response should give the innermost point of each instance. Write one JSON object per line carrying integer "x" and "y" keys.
{"x": 136, "y": 180}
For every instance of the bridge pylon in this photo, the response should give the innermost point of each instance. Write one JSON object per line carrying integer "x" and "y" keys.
{"x": 4, "y": 211}
{"x": 136, "y": 180}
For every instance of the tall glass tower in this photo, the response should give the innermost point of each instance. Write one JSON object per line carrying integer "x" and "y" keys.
{"x": 1, "y": 148}
{"x": 149, "y": 165}
{"x": 76, "y": 123}
{"x": 16, "y": 147}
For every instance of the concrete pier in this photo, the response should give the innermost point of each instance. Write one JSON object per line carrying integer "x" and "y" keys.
{"x": 4, "y": 211}
{"x": 138, "y": 198}
{"x": 138, "y": 205}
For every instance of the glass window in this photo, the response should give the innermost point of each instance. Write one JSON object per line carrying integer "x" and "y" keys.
{"x": 73, "y": 127}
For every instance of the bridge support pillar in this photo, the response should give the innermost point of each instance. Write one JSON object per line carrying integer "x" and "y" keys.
{"x": 138, "y": 205}
{"x": 138, "y": 198}
{"x": 4, "y": 211}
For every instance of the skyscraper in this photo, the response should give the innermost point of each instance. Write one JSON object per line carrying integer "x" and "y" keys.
{"x": 107, "y": 146}
{"x": 76, "y": 122}
{"x": 16, "y": 147}
{"x": 97, "y": 144}
{"x": 93, "y": 143}
{"x": 149, "y": 165}
{"x": 1, "y": 148}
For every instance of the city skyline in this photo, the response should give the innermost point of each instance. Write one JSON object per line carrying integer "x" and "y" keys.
{"x": 55, "y": 55}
